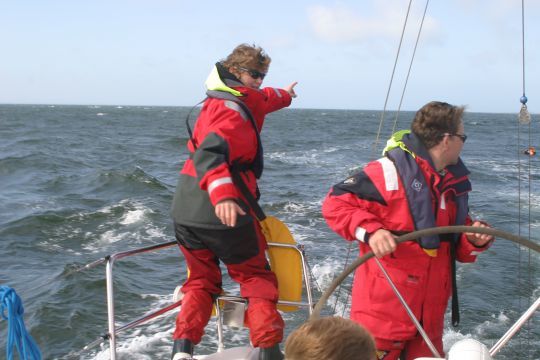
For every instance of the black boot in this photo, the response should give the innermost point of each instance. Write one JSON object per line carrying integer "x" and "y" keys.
{"x": 182, "y": 349}
{"x": 271, "y": 353}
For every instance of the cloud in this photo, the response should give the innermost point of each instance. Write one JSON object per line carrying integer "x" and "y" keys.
{"x": 381, "y": 20}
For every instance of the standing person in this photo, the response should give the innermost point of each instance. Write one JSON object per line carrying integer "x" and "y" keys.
{"x": 212, "y": 219}
{"x": 421, "y": 182}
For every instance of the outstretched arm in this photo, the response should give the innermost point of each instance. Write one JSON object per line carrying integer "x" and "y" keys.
{"x": 290, "y": 89}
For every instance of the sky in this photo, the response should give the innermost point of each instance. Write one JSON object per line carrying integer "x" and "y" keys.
{"x": 342, "y": 53}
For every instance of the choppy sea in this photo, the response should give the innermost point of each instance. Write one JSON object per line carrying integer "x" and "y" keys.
{"x": 78, "y": 183}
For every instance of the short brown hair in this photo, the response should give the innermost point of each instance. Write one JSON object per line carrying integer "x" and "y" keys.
{"x": 249, "y": 57}
{"x": 330, "y": 338}
{"x": 434, "y": 120}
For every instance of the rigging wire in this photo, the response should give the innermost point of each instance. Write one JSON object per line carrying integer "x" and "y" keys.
{"x": 410, "y": 67}
{"x": 519, "y": 260}
{"x": 376, "y": 143}
{"x": 524, "y": 118}
{"x": 529, "y": 264}
{"x": 523, "y": 43}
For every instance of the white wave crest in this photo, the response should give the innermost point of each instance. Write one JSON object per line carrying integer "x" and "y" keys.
{"x": 134, "y": 225}
{"x": 134, "y": 216}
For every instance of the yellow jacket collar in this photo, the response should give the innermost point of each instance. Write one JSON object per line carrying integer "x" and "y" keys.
{"x": 214, "y": 82}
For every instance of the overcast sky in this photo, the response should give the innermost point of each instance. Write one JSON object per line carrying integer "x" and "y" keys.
{"x": 159, "y": 52}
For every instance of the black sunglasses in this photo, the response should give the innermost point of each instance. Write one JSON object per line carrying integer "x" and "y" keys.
{"x": 253, "y": 73}
{"x": 463, "y": 137}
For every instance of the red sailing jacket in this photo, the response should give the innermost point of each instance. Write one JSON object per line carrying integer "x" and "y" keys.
{"x": 373, "y": 199}
{"x": 223, "y": 135}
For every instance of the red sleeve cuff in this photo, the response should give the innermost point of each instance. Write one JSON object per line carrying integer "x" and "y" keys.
{"x": 222, "y": 192}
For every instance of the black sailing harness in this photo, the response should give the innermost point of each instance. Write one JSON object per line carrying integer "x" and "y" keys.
{"x": 419, "y": 201}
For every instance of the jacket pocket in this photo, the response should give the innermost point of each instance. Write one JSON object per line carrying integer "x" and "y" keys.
{"x": 410, "y": 285}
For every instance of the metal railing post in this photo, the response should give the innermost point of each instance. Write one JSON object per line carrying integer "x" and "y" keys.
{"x": 110, "y": 307}
{"x": 306, "y": 277}
{"x": 219, "y": 326}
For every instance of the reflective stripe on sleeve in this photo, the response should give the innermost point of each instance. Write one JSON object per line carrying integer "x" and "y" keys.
{"x": 360, "y": 234}
{"x": 390, "y": 174}
{"x": 234, "y": 106}
{"x": 277, "y": 92}
{"x": 218, "y": 182}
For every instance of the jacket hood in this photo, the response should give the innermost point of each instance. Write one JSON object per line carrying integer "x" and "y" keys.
{"x": 220, "y": 79}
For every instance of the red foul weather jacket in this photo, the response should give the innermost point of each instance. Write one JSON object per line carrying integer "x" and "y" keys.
{"x": 375, "y": 198}
{"x": 223, "y": 136}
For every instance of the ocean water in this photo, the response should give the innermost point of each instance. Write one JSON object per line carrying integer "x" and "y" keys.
{"x": 82, "y": 182}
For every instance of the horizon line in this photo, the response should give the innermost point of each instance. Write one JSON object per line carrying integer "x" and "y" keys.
{"x": 287, "y": 108}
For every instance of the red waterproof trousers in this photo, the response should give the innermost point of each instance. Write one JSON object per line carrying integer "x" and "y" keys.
{"x": 257, "y": 283}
